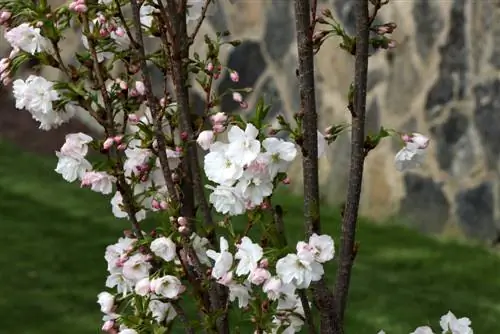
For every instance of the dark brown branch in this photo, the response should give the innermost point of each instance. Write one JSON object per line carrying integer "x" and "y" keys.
{"x": 194, "y": 187}
{"x": 323, "y": 297}
{"x": 123, "y": 187}
{"x": 347, "y": 242}
{"x": 153, "y": 103}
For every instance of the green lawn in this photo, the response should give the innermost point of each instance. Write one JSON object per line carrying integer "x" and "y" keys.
{"x": 53, "y": 237}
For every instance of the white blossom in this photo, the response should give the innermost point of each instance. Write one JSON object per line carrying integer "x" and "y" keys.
{"x": 100, "y": 182}
{"x": 281, "y": 154}
{"x": 223, "y": 260}
{"x": 449, "y": 322}
{"x": 143, "y": 287}
{"x": 164, "y": 248}
{"x": 323, "y": 247}
{"x": 409, "y": 157}
{"x": 136, "y": 267}
{"x": 243, "y": 146}
{"x": 205, "y": 139}
{"x": 167, "y": 286}
{"x": 292, "y": 269}
{"x": 422, "y": 330}
{"x": 161, "y": 311}
{"x": 240, "y": 292}
{"x": 28, "y": 38}
{"x": 200, "y": 247}
{"x": 227, "y": 200}
{"x": 249, "y": 254}
{"x": 106, "y": 301}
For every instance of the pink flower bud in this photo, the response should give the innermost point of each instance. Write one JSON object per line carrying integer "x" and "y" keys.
{"x": 218, "y": 128}
{"x": 243, "y": 105}
{"x": 210, "y": 67}
{"x": 392, "y": 44}
{"x": 234, "y": 76}
{"x": 218, "y": 118}
{"x": 163, "y": 205}
{"x": 72, "y": 6}
{"x": 183, "y": 229}
{"x": 139, "y": 86}
{"x": 120, "y": 32}
{"x": 184, "y": 136}
{"x": 155, "y": 204}
{"x": 264, "y": 205}
{"x": 123, "y": 85}
{"x": 118, "y": 139}
{"x": 108, "y": 143}
{"x": 5, "y": 16}
{"x": 103, "y": 33}
{"x": 259, "y": 276}
{"x": 122, "y": 146}
{"x": 133, "y": 118}
{"x": 237, "y": 97}
{"x": 108, "y": 325}
{"x": 421, "y": 140}
{"x": 406, "y": 138}
{"x": 81, "y": 8}
{"x": 286, "y": 180}
{"x": 182, "y": 221}
{"x": 179, "y": 149}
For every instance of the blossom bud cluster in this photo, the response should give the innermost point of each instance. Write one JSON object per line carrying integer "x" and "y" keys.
{"x": 133, "y": 271}
{"x": 253, "y": 270}
{"x": 244, "y": 169}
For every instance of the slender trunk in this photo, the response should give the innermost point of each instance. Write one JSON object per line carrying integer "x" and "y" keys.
{"x": 347, "y": 243}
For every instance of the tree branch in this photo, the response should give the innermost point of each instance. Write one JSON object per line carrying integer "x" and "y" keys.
{"x": 347, "y": 242}
{"x": 323, "y": 297}
{"x": 153, "y": 103}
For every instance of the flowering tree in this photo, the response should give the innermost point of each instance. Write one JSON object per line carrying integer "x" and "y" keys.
{"x": 189, "y": 270}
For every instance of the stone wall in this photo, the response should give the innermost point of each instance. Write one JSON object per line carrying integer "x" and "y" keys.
{"x": 441, "y": 80}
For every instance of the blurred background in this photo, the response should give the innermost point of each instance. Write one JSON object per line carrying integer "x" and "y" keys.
{"x": 426, "y": 242}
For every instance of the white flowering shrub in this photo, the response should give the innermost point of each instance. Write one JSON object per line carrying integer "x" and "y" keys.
{"x": 151, "y": 168}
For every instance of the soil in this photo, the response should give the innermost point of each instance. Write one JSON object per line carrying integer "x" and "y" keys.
{"x": 17, "y": 127}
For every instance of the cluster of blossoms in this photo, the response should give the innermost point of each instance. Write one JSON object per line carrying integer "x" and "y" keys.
{"x": 244, "y": 169}
{"x": 449, "y": 325}
{"x": 132, "y": 273}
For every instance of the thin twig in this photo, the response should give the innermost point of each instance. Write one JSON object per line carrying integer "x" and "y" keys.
{"x": 200, "y": 21}
{"x": 153, "y": 103}
{"x": 123, "y": 187}
{"x": 347, "y": 247}
{"x": 307, "y": 311}
{"x": 323, "y": 297}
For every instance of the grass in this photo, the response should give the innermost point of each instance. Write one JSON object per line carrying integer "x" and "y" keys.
{"x": 53, "y": 237}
